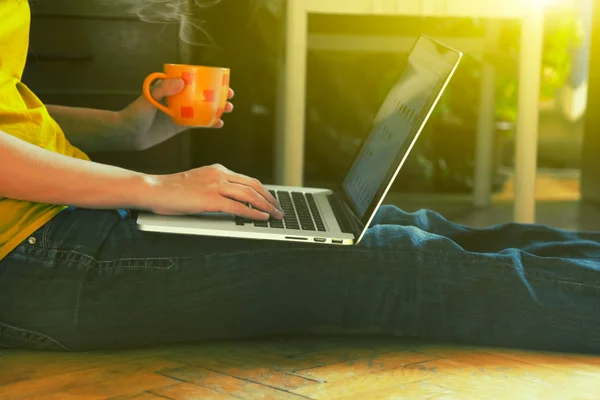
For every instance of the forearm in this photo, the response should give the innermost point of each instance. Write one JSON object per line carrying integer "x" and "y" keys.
{"x": 93, "y": 130}
{"x": 30, "y": 173}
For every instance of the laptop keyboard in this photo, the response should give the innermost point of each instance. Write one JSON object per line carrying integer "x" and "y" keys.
{"x": 301, "y": 213}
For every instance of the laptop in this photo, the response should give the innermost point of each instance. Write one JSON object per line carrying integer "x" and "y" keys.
{"x": 342, "y": 216}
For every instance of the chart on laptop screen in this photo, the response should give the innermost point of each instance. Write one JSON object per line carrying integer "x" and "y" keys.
{"x": 401, "y": 114}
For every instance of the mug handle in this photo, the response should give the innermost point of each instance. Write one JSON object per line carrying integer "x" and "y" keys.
{"x": 148, "y": 95}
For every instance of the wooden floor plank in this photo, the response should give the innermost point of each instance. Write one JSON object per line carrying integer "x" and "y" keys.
{"x": 22, "y": 365}
{"x": 292, "y": 347}
{"x": 187, "y": 391}
{"x": 337, "y": 355}
{"x": 118, "y": 386}
{"x": 228, "y": 384}
{"x": 333, "y": 368}
{"x": 364, "y": 383}
{"x": 581, "y": 359}
{"x": 139, "y": 396}
{"x": 476, "y": 379}
{"x": 362, "y": 366}
{"x": 420, "y": 390}
{"x": 559, "y": 362}
{"x": 505, "y": 366}
{"x": 269, "y": 377}
{"x": 61, "y": 383}
{"x": 247, "y": 359}
{"x": 507, "y": 389}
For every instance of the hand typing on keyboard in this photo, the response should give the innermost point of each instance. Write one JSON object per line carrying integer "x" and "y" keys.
{"x": 301, "y": 213}
{"x": 212, "y": 189}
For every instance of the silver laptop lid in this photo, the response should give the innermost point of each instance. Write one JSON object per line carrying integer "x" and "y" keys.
{"x": 397, "y": 127}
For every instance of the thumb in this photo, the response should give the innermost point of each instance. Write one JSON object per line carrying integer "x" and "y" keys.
{"x": 167, "y": 87}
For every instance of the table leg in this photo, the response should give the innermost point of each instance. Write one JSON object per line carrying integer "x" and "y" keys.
{"x": 289, "y": 135}
{"x": 526, "y": 140}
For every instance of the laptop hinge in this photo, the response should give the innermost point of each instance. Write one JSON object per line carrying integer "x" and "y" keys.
{"x": 349, "y": 222}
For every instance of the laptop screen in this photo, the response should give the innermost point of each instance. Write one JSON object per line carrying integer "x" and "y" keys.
{"x": 397, "y": 125}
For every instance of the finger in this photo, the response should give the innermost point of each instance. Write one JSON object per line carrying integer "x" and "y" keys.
{"x": 254, "y": 184}
{"x": 167, "y": 87}
{"x": 247, "y": 194}
{"x": 241, "y": 210}
{"x": 230, "y": 94}
{"x": 220, "y": 123}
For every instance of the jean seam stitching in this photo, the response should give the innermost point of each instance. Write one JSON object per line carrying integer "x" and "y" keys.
{"x": 43, "y": 339}
{"x": 93, "y": 262}
{"x": 570, "y": 283}
{"x": 172, "y": 260}
{"x": 320, "y": 250}
{"x": 44, "y": 243}
{"x": 501, "y": 265}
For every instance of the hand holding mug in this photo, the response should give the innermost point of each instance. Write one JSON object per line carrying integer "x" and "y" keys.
{"x": 203, "y": 99}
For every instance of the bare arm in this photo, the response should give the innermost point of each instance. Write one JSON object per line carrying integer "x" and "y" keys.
{"x": 30, "y": 173}
{"x": 137, "y": 127}
{"x": 94, "y": 130}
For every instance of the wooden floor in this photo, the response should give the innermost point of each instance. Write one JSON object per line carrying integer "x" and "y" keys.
{"x": 332, "y": 368}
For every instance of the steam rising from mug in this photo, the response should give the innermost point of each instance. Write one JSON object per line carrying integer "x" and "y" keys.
{"x": 185, "y": 13}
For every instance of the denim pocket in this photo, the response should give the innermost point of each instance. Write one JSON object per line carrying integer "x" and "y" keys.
{"x": 13, "y": 337}
{"x": 90, "y": 239}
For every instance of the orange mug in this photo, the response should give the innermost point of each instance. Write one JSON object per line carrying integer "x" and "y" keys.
{"x": 202, "y": 101}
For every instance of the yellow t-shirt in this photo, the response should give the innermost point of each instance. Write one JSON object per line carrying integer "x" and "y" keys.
{"x": 23, "y": 115}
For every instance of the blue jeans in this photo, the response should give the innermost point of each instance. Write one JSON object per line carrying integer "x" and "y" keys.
{"x": 91, "y": 280}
